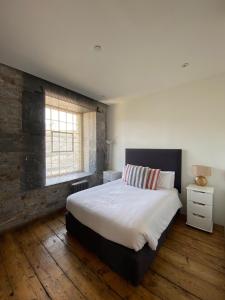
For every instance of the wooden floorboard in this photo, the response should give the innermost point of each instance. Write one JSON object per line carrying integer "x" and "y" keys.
{"x": 55, "y": 281}
{"x": 43, "y": 261}
{"x": 194, "y": 253}
{"x": 6, "y": 290}
{"x": 22, "y": 278}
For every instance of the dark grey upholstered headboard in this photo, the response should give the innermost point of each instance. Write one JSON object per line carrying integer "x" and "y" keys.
{"x": 164, "y": 159}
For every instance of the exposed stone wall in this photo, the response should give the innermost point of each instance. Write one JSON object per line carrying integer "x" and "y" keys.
{"x": 23, "y": 195}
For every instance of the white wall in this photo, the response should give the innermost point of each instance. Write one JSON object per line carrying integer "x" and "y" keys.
{"x": 190, "y": 117}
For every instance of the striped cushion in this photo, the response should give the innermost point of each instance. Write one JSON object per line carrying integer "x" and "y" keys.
{"x": 136, "y": 176}
{"x": 153, "y": 176}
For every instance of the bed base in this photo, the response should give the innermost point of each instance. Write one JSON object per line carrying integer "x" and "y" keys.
{"x": 128, "y": 263}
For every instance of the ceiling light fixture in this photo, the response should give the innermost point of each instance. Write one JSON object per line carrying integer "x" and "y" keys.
{"x": 185, "y": 65}
{"x": 97, "y": 47}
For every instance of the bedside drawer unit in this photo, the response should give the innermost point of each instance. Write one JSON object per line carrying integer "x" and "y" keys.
{"x": 201, "y": 197}
{"x": 111, "y": 175}
{"x": 199, "y": 221}
{"x": 200, "y": 207}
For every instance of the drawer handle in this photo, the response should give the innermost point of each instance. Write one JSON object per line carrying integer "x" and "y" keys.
{"x": 199, "y": 192}
{"x": 198, "y": 203}
{"x": 200, "y": 216}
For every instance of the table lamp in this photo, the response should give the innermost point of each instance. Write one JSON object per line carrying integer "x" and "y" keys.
{"x": 200, "y": 173}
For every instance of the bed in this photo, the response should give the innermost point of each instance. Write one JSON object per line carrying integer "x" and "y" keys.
{"x": 119, "y": 223}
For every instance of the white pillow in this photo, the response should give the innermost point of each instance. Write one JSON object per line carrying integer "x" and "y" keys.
{"x": 166, "y": 180}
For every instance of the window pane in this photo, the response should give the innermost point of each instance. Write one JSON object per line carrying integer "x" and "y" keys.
{"x": 48, "y": 134}
{"x": 48, "y": 125}
{"x": 47, "y": 113}
{"x": 70, "y": 156}
{"x": 62, "y": 126}
{"x": 63, "y": 137}
{"x": 55, "y": 142}
{"x": 62, "y": 141}
{"x": 55, "y": 125}
{"x": 55, "y": 158}
{"x": 55, "y": 171}
{"x": 55, "y": 147}
{"x": 69, "y": 142}
{"x": 63, "y": 147}
{"x": 48, "y": 147}
{"x": 62, "y": 116}
{"x": 69, "y": 117}
{"x": 55, "y": 135}
{"x": 69, "y": 126}
{"x": 55, "y": 114}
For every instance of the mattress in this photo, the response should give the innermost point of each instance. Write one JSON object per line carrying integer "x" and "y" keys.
{"x": 125, "y": 214}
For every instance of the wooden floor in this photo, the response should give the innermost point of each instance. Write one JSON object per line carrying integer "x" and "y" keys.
{"x": 42, "y": 261}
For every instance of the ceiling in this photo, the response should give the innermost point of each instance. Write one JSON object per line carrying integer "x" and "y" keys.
{"x": 144, "y": 43}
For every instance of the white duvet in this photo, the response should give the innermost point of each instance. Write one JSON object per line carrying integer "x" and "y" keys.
{"x": 125, "y": 214}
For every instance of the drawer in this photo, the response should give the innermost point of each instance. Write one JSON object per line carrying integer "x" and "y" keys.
{"x": 106, "y": 180}
{"x": 200, "y": 222}
{"x": 199, "y": 208}
{"x": 109, "y": 175}
{"x": 201, "y": 197}
{"x": 116, "y": 175}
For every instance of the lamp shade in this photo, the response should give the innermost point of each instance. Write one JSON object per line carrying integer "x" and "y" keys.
{"x": 201, "y": 170}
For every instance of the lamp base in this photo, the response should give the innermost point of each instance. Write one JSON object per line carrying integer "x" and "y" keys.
{"x": 201, "y": 180}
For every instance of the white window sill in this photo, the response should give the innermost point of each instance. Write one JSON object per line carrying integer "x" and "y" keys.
{"x": 66, "y": 177}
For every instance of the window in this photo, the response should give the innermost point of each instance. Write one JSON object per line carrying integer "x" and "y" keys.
{"x": 63, "y": 139}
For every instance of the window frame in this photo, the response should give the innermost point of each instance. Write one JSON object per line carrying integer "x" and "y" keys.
{"x": 73, "y": 133}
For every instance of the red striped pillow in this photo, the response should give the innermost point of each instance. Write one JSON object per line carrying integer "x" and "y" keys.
{"x": 153, "y": 176}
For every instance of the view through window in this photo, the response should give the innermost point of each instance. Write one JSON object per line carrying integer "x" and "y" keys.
{"x": 63, "y": 138}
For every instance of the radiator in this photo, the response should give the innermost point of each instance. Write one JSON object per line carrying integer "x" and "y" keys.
{"x": 79, "y": 186}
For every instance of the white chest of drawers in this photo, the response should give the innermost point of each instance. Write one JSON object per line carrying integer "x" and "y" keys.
{"x": 111, "y": 175}
{"x": 200, "y": 207}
